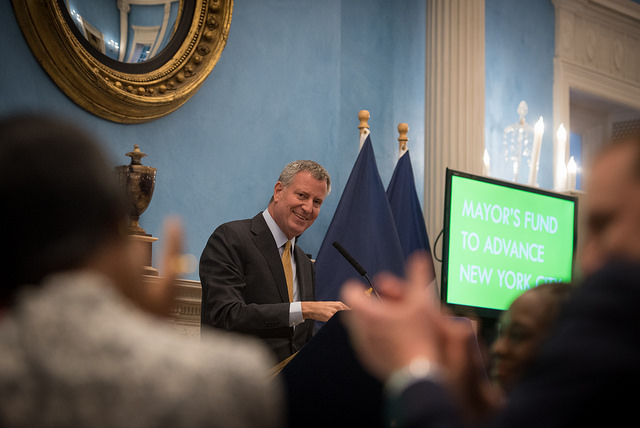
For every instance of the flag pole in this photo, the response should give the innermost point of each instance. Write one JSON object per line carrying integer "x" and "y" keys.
{"x": 363, "y": 117}
{"x": 403, "y": 129}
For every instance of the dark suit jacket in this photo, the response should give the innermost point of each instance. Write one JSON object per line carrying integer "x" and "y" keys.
{"x": 244, "y": 288}
{"x": 587, "y": 375}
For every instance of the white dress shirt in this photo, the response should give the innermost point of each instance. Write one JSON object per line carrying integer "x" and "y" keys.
{"x": 295, "y": 308}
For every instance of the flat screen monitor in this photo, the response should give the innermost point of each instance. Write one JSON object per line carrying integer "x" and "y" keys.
{"x": 500, "y": 239}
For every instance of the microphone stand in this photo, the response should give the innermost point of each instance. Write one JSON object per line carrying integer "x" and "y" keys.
{"x": 356, "y": 266}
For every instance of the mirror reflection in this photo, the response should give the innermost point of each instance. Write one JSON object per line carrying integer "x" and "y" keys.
{"x": 129, "y": 31}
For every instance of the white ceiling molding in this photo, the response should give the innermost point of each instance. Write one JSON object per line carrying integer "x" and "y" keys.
{"x": 596, "y": 52}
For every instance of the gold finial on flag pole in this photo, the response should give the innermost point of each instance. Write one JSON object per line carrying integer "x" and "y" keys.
{"x": 403, "y": 129}
{"x": 363, "y": 117}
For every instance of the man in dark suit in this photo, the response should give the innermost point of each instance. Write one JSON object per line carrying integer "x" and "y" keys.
{"x": 243, "y": 268}
{"x": 588, "y": 372}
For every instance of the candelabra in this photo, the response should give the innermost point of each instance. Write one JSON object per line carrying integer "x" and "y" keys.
{"x": 521, "y": 144}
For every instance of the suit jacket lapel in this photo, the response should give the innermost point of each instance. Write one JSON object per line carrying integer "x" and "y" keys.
{"x": 305, "y": 280}
{"x": 267, "y": 246}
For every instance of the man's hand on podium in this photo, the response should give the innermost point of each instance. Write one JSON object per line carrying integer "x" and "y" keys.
{"x": 321, "y": 311}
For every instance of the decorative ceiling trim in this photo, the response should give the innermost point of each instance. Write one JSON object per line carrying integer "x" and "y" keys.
{"x": 596, "y": 52}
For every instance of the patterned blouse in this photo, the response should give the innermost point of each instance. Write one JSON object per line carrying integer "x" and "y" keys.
{"x": 75, "y": 353}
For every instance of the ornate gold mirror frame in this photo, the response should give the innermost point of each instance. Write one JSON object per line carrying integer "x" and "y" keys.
{"x": 122, "y": 92}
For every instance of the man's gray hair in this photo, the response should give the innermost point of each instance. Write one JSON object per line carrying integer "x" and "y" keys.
{"x": 316, "y": 170}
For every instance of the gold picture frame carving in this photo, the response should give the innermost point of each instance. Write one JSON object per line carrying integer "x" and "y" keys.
{"x": 113, "y": 92}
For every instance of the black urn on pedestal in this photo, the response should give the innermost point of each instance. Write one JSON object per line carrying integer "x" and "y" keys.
{"x": 137, "y": 182}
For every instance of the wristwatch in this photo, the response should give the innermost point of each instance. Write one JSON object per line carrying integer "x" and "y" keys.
{"x": 418, "y": 369}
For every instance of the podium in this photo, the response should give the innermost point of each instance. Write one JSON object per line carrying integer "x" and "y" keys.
{"x": 327, "y": 387}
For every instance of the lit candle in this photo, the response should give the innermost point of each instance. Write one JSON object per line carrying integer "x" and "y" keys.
{"x": 572, "y": 169}
{"x": 535, "y": 152}
{"x": 487, "y": 162}
{"x": 561, "y": 153}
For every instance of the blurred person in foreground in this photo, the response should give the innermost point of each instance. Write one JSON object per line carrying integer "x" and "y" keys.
{"x": 586, "y": 374}
{"x": 81, "y": 337}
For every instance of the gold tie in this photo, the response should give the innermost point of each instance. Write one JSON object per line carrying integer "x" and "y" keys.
{"x": 288, "y": 272}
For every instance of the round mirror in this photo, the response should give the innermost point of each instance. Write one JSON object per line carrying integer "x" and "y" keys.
{"x": 128, "y": 61}
{"x": 129, "y": 31}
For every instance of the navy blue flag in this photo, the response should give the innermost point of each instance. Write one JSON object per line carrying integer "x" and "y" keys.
{"x": 405, "y": 206}
{"x": 364, "y": 226}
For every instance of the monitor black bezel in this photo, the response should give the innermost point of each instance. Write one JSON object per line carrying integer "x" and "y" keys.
{"x": 480, "y": 311}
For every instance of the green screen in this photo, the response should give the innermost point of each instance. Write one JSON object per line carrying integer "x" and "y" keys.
{"x": 503, "y": 241}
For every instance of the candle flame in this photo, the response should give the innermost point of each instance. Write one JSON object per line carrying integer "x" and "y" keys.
{"x": 562, "y": 133}
{"x": 539, "y": 126}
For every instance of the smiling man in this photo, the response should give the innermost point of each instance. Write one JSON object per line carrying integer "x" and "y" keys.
{"x": 256, "y": 279}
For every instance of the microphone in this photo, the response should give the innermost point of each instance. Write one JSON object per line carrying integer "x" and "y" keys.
{"x": 355, "y": 265}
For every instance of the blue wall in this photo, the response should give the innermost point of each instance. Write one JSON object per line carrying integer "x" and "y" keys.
{"x": 519, "y": 66}
{"x": 288, "y": 86}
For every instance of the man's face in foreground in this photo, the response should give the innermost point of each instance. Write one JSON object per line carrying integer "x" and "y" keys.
{"x": 613, "y": 208}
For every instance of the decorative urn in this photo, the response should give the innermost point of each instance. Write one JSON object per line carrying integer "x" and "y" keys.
{"x": 138, "y": 182}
